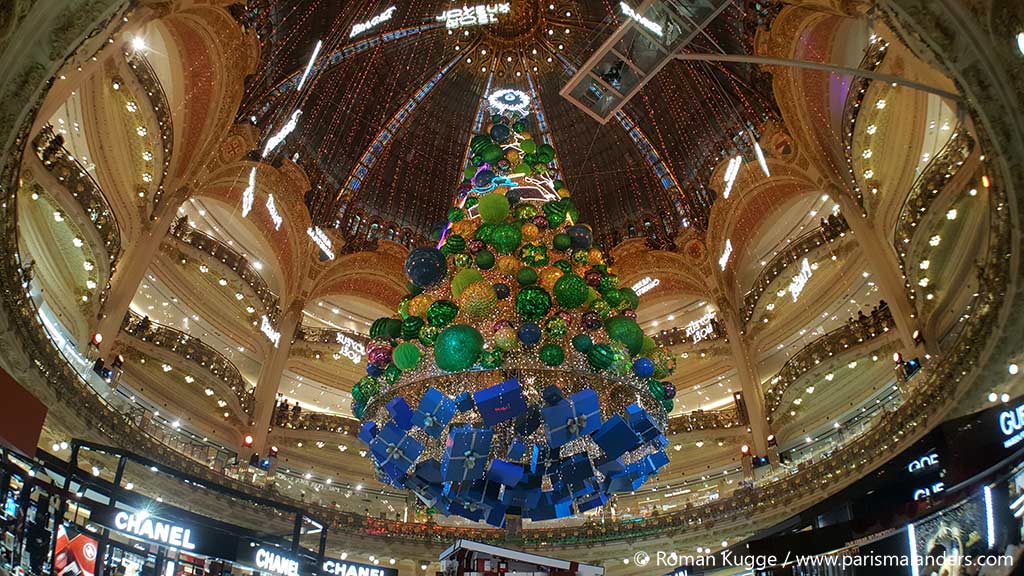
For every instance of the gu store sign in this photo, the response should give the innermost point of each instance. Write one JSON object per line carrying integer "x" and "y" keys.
{"x": 343, "y": 568}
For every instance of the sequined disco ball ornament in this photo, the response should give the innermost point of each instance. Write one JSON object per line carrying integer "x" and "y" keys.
{"x": 515, "y": 380}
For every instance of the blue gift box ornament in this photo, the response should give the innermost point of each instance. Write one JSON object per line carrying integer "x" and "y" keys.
{"x": 400, "y": 412}
{"x": 465, "y": 455}
{"x": 616, "y": 438}
{"x": 464, "y": 402}
{"x": 577, "y": 416}
{"x": 500, "y": 402}
{"x": 434, "y": 412}
{"x": 504, "y": 472}
{"x": 575, "y": 471}
{"x": 643, "y": 424}
{"x": 368, "y": 431}
{"x": 395, "y": 451}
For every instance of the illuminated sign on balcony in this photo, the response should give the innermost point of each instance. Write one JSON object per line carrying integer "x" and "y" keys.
{"x": 654, "y": 27}
{"x": 701, "y": 328}
{"x": 796, "y": 286}
{"x": 372, "y": 23}
{"x": 731, "y": 172}
{"x": 249, "y": 194}
{"x": 351, "y": 349}
{"x": 274, "y": 214}
{"x": 278, "y": 138}
{"x": 1011, "y": 422}
{"x": 646, "y": 285}
{"x": 322, "y": 241}
{"x": 479, "y": 15}
{"x": 268, "y": 330}
{"x": 724, "y": 260}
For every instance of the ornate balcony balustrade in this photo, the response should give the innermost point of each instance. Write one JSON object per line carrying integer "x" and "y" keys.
{"x": 49, "y": 147}
{"x": 722, "y": 419}
{"x": 835, "y": 342}
{"x": 928, "y": 185}
{"x": 832, "y": 228}
{"x": 316, "y": 422}
{"x": 873, "y": 58}
{"x": 192, "y": 349}
{"x": 158, "y": 101}
{"x": 232, "y": 259}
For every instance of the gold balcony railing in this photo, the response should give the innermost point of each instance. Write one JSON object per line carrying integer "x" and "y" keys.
{"x": 828, "y": 345}
{"x": 193, "y": 350}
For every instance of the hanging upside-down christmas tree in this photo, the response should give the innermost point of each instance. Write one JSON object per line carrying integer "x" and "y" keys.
{"x": 514, "y": 379}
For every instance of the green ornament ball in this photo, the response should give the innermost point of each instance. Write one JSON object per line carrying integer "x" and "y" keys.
{"x": 552, "y": 354}
{"x": 469, "y": 172}
{"x": 601, "y": 308}
{"x": 626, "y": 331}
{"x": 613, "y": 297}
{"x": 478, "y": 143}
{"x": 428, "y": 335}
{"x": 506, "y": 238}
{"x": 485, "y": 260}
{"x": 411, "y": 327}
{"x": 471, "y": 201}
{"x": 563, "y": 265}
{"x": 463, "y": 260}
{"x": 580, "y": 257}
{"x": 455, "y": 244}
{"x": 532, "y": 303}
{"x": 406, "y": 355}
{"x": 522, "y": 168}
{"x": 493, "y": 208}
{"x": 392, "y": 374}
{"x": 455, "y": 214}
{"x": 492, "y": 153}
{"x": 528, "y": 146}
{"x": 463, "y": 278}
{"x": 555, "y": 327}
{"x": 608, "y": 282}
{"x": 556, "y": 212}
{"x": 582, "y": 343}
{"x": 630, "y": 297}
{"x": 491, "y": 359}
{"x": 484, "y": 232}
{"x": 558, "y": 184}
{"x": 526, "y": 276}
{"x": 600, "y": 356}
{"x": 561, "y": 242}
{"x": 649, "y": 345}
{"x": 441, "y": 312}
{"x": 403, "y": 306}
{"x": 669, "y": 405}
{"x": 524, "y": 211}
{"x": 571, "y": 291}
{"x": 386, "y": 328}
{"x": 458, "y": 347}
{"x": 656, "y": 388}
{"x": 534, "y": 255}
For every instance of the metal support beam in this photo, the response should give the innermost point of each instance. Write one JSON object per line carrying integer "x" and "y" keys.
{"x": 820, "y": 66}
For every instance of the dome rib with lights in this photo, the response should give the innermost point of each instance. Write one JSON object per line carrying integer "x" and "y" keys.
{"x": 515, "y": 380}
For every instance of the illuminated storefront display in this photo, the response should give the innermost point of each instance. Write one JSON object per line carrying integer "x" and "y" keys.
{"x": 345, "y": 568}
{"x": 796, "y": 286}
{"x": 1011, "y": 422}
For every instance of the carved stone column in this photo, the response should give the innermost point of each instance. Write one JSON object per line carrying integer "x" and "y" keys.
{"x": 881, "y": 258}
{"x": 750, "y": 381}
{"x": 130, "y": 270}
{"x": 270, "y": 376}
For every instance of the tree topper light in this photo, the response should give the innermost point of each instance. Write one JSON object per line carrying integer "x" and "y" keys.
{"x": 509, "y": 100}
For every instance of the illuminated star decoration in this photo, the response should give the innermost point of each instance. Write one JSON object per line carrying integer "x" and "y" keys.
{"x": 509, "y": 100}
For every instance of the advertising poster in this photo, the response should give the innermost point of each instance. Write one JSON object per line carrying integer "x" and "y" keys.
{"x": 75, "y": 554}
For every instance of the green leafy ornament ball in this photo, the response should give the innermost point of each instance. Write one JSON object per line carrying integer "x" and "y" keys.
{"x": 532, "y": 303}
